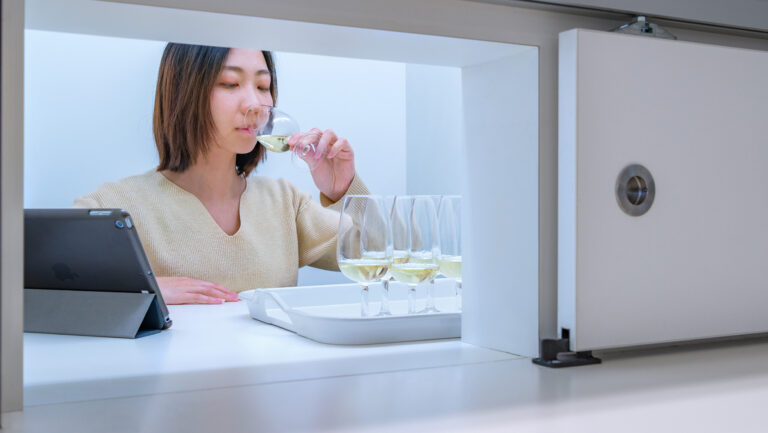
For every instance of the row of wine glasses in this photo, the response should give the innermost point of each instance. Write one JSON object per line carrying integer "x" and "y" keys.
{"x": 399, "y": 237}
{"x": 393, "y": 237}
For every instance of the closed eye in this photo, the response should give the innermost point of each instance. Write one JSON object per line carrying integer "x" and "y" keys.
{"x": 228, "y": 85}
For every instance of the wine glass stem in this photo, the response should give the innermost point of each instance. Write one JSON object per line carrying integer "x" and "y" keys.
{"x": 430, "y": 307}
{"x": 411, "y": 301}
{"x": 306, "y": 149}
{"x": 364, "y": 301}
{"x": 458, "y": 295}
{"x": 384, "y": 311}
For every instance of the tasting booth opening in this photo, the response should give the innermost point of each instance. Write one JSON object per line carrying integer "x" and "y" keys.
{"x": 425, "y": 115}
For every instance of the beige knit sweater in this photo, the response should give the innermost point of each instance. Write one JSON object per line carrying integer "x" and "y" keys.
{"x": 281, "y": 229}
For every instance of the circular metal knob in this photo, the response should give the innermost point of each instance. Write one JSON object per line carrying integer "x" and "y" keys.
{"x": 635, "y": 190}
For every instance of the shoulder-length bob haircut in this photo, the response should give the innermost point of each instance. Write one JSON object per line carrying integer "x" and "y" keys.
{"x": 182, "y": 123}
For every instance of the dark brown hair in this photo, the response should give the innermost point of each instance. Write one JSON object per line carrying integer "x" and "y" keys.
{"x": 183, "y": 123}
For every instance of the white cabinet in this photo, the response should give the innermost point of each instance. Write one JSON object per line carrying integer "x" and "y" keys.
{"x": 696, "y": 117}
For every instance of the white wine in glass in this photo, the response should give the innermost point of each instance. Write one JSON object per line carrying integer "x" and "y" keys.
{"x": 450, "y": 266}
{"x": 364, "y": 271}
{"x": 414, "y": 273}
{"x": 274, "y": 127}
{"x": 364, "y": 243}
{"x": 274, "y": 143}
{"x": 423, "y": 248}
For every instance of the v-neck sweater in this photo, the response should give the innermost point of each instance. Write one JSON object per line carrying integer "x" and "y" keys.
{"x": 281, "y": 230}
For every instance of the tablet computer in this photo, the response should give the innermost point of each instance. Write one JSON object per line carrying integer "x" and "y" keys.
{"x": 89, "y": 250}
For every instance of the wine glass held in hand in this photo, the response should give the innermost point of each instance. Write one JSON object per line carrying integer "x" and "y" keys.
{"x": 364, "y": 244}
{"x": 329, "y": 157}
{"x": 449, "y": 217}
{"x": 420, "y": 216}
{"x": 274, "y": 129}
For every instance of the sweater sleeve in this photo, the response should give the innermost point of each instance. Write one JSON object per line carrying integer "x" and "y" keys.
{"x": 357, "y": 187}
{"x": 318, "y": 225}
{"x": 87, "y": 201}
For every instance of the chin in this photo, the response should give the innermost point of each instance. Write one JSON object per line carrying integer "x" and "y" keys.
{"x": 245, "y": 148}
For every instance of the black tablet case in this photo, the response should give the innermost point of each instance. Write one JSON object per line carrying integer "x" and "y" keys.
{"x": 85, "y": 273}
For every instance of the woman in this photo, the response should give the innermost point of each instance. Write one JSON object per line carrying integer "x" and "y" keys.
{"x": 208, "y": 229}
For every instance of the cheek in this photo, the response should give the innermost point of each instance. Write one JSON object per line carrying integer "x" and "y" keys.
{"x": 218, "y": 103}
{"x": 221, "y": 109}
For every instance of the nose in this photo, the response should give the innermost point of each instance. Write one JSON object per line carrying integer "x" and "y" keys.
{"x": 255, "y": 97}
{"x": 255, "y": 112}
{"x": 256, "y": 116}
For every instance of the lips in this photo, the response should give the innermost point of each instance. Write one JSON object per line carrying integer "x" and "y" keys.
{"x": 246, "y": 131}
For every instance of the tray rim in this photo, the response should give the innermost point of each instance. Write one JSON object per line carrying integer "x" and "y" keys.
{"x": 260, "y": 312}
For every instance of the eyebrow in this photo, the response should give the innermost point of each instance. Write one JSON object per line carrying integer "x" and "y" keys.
{"x": 240, "y": 70}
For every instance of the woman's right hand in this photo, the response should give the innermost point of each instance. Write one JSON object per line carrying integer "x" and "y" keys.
{"x": 183, "y": 290}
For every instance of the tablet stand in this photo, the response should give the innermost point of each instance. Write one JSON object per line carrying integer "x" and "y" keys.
{"x": 80, "y": 312}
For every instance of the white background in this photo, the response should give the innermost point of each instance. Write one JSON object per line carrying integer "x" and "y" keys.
{"x": 88, "y": 118}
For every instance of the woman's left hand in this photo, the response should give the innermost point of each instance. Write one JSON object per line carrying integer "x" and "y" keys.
{"x": 332, "y": 164}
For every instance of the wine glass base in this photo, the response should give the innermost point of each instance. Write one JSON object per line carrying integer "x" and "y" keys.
{"x": 428, "y": 310}
{"x": 384, "y": 314}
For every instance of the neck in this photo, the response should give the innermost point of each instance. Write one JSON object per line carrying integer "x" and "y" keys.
{"x": 212, "y": 177}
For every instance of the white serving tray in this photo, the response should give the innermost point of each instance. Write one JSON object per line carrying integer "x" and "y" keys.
{"x": 331, "y": 314}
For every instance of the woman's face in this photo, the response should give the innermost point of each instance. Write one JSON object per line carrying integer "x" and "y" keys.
{"x": 244, "y": 82}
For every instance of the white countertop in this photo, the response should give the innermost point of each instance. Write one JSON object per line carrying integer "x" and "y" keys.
{"x": 212, "y": 346}
{"x": 711, "y": 388}
{"x": 217, "y": 370}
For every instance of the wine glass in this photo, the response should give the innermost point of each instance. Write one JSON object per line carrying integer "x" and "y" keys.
{"x": 420, "y": 216}
{"x": 364, "y": 243}
{"x": 274, "y": 127}
{"x": 449, "y": 220}
{"x": 399, "y": 244}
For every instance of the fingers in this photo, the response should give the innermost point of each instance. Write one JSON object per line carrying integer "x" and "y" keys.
{"x": 331, "y": 146}
{"x": 327, "y": 139}
{"x": 342, "y": 149}
{"x": 182, "y": 290}
{"x": 294, "y": 138}
{"x": 197, "y": 298}
{"x": 213, "y": 292}
{"x": 217, "y": 290}
{"x": 230, "y": 295}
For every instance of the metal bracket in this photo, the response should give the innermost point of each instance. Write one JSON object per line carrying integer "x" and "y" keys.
{"x": 641, "y": 27}
{"x": 557, "y": 353}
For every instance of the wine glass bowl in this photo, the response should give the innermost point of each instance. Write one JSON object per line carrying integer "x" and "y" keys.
{"x": 274, "y": 127}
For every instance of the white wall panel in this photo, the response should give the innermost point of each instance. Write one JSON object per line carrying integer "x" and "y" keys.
{"x": 692, "y": 266}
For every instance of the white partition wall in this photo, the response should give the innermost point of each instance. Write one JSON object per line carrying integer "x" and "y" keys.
{"x": 11, "y": 221}
{"x": 693, "y": 115}
{"x": 500, "y": 204}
